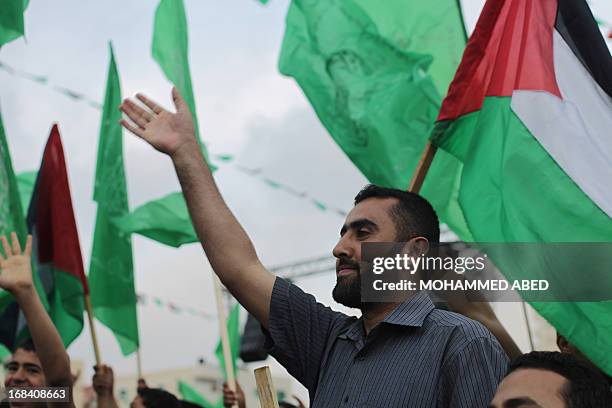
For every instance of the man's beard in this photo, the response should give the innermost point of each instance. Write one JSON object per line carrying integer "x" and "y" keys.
{"x": 347, "y": 291}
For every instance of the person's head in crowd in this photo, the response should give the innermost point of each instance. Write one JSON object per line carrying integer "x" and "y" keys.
{"x": 566, "y": 347}
{"x": 550, "y": 379}
{"x": 155, "y": 398}
{"x": 188, "y": 404}
{"x": 24, "y": 369}
{"x": 380, "y": 215}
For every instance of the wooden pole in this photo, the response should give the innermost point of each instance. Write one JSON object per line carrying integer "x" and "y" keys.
{"x": 265, "y": 388}
{"x": 92, "y": 328}
{"x": 139, "y": 363}
{"x": 422, "y": 167}
{"x": 225, "y": 344}
{"x": 529, "y": 334}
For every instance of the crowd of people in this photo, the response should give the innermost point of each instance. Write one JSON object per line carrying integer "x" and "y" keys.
{"x": 397, "y": 354}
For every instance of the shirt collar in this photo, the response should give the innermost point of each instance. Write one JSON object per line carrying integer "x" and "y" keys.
{"x": 412, "y": 313}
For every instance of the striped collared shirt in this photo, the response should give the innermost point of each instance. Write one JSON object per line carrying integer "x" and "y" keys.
{"x": 418, "y": 356}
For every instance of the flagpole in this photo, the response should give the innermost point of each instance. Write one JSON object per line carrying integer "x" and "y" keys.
{"x": 225, "y": 344}
{"x": 422, "y": 168}
{"x": 529, "y": 334}
{"x": 92, "y": 328}
{"x": 139, "y": 363}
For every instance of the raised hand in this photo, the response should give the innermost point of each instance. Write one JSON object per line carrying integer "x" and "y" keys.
{"x": 15, "y": 269}
{"x": 166, "y": 131}
{"x": 233, "y": 398}
{"x": 103, "y": 380}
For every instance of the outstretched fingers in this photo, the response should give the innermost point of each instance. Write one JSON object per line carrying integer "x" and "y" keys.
{"x": 178, "y": 100}
{"x": 137, "y": 114}
{"x": 150, "y": 104}
{"x": 6, "y": 247}
{"x": 15, "y": 243}
{"x": 135, "y": 130}
{"x": 28, "y": 247}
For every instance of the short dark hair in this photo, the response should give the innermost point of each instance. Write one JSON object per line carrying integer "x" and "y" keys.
{"x": 27, "y": 345}
{"x": 413, "y": 215}
{"x": 586, "y": 387}
{"x": 158, "y": 398}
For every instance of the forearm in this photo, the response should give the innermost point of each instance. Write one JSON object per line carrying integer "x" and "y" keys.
{"x": 49, "y": 346}
{"x": 227, "y": 246}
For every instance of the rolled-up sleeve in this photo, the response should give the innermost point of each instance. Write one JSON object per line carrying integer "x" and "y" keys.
{"x": 298, "y": 331}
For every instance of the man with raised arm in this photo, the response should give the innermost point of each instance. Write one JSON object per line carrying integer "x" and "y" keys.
{"x": 404, "y": 354}
{"x": 43, "y": 362}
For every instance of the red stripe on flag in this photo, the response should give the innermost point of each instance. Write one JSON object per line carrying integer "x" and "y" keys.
{"x": 510, "y": 49}
{"x": 58, "y": 239}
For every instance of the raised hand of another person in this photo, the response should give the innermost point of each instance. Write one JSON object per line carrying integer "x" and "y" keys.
{"x": 233, "y": 398}
{"x": 166, "y": 131}
{"x": 103, "y": 383}
{"x": 15, "y": 267}
{"x": 103, "y": 380}
{"x": 16, "y": 277}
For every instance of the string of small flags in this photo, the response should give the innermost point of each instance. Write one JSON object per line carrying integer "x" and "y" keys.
{"x": 220, "y": 158}
{"x": 148, "y": 300}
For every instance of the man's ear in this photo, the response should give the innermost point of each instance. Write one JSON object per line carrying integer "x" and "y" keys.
{"x": 564, "y": 345}
{"x": 418, "y": 246}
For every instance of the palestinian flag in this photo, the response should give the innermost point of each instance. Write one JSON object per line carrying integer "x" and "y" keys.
{"x": 56, "y": 250}
{"x": 529, "y": 113}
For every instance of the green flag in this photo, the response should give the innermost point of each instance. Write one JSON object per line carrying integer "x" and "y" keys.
{"x": 533, "y": 134}
{"x": 233, "y": 332}
{"x": 11, "y": 210}
{"x": 26, "y": 182}
{"x": 165, "y": 220}
{"x": 188, "y": 393}
{"x": 374, "y": 72}
{"x": 111, "y": 275}
{"x": 11, "y": 20}
{"x": 171, "y": 51}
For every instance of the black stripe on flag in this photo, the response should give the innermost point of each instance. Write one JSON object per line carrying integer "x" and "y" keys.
{"x": 576, "y": 24}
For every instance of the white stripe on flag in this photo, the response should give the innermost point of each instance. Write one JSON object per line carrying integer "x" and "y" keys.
{"x": 575, "y": 131}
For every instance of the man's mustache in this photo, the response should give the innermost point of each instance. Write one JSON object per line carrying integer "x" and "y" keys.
{"x": 344, "y": 262}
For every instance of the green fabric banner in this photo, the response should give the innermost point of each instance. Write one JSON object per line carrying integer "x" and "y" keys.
{"x": 11, "y": 20}
{"x": 111, "y": 275}
{"x": 171, "y": 51}
{"x": 11, "y": 210}
{"x": 165, "y": 220}
{"x": 188, "y": 393}
{"x": 374, "y": 73}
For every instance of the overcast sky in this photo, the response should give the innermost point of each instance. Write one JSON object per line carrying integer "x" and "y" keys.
{"x": 245, "y": 107}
